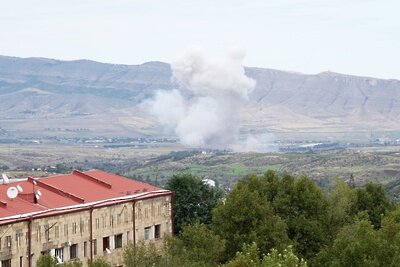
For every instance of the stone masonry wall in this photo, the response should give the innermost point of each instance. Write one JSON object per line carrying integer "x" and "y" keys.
{"x": 68, "y": 235}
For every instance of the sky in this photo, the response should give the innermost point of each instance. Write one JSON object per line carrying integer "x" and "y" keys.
{"x": 358, "y": 37}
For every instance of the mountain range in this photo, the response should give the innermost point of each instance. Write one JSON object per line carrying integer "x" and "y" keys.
{"x": 46, "y": 97}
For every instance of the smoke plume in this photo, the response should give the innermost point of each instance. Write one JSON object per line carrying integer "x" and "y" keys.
{"x": 215, "y": 91}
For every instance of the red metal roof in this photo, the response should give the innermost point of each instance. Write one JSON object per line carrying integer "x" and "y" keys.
{"x": 68, "y": 189}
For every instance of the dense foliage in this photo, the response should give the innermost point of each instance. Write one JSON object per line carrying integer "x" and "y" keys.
{"x": 193, "y": 200}
{"x": 274, "y": 220}
{"x": 47, "y": 260}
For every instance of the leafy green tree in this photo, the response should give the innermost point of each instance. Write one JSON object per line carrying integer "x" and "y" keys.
{"x": 285, "y": 259}
{"x": 193, "y": 200}
{"x": 99, "y": 262}
{"x": 303, "y": 206}
{"x": 74, "y": 263}
{"x": 389, "y": 235}
{"x": 46, "y": 260}
{"x": 340, "y": 201}
{"x": 247, "y": 217}
{"x": 356, "y": 245}
{"x": 373, "y": 200}
{"x": 142, "y": 255}
{"x": 250, "y": 257}
{"x": 196, "y": 244}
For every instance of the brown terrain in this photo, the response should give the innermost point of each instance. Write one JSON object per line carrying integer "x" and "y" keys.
{"x": 46, "y": 97}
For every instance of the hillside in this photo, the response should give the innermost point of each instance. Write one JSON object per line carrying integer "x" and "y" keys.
{"x": 51, "y": 97}
{"x": 380, "y": 165}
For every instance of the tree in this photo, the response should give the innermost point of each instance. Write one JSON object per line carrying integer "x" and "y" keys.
{"x": 247, "y": 217}
{"x": 373, "y": 200}
{"x": 250, "y": 257}
{"x": 193, "y": 200}
{"x": 74, "y": 263}
{"x": 340, "y": 201}
{"x": 197, "y": 245}
{"x": 99, "y": 263}
{"x": 356, "y": 245}
{"x": 46, "y": 260}
{"x": 303, "y": 206}
{"x": 285, "y": 259}
{"x": 142, "y": 255}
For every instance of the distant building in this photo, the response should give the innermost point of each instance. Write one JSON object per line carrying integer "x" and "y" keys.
{"x": 79, "y": 215}
{"x": 209, "y": 182}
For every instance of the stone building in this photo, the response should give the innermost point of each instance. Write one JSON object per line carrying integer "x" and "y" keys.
{"x": 81, "y": 215}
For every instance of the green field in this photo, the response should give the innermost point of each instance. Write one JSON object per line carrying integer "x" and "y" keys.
{"x": 376, "y": 165}
{"x": 156, "y": 163}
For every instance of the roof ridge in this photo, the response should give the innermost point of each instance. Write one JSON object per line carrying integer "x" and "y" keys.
{"x": 56, "y": 190}
{"x": 91, "y": 178}
{"x": 133, "y": 179}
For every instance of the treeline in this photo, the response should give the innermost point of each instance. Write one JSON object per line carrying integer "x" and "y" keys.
{"x": 275, "y": 220}
{"x": 273, "y": 212}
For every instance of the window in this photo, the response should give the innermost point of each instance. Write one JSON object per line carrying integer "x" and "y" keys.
{"x": 38, "y": 234}
{"x": 82, "y": 226}
{"x": 56, "y": 231}
{"x": 8, "y": 242}
{"x": 97, "y": 223}
{"x": 118, "y": 219}
{"x": 59, "y": 254}
{"x": 18, "y": 237}
{"x": 106, "y": 243}
{"x": 74, "y": 228}
{"x": 103, "y": 221}
{"x": 94, "y": 246}
{"x": 111, "y": 220}
{"x": 6, "y": 263}
{"x": 126, "y": 217}
{"x": 65, "y": 229}
{"x": 21, "y": 261}
{"x": 128, "y": 237}
{"x": 85, "y": 249}
{"x": 157, "y": 231}
{"x": 73, "y": 251}
{"x": 118, "y": 241}
{"x": 47, "y": 233}
{"x": 166, "y": 205}
{"x": 147, "y": 231}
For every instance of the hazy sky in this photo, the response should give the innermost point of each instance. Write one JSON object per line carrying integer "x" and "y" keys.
{"x": 360, "y": 37}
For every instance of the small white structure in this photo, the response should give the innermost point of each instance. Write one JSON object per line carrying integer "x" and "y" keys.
{"x": 209, "y": 182}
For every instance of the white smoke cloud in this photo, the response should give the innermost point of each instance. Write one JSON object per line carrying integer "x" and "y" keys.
{"x": 256, "y": 143}
{"x": 167, "y": 106}
{"x": 210, "y": 117}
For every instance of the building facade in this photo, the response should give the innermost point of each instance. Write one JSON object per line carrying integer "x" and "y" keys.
{"x": 82, "y": 215}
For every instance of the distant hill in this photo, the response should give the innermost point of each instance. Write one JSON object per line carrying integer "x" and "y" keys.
{"x": 42, "y": 96}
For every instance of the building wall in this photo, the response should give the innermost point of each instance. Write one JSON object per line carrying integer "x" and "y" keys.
{"x": 68, "y": 235}
{"x": 14, "y": 243}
